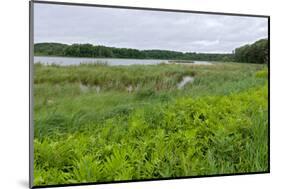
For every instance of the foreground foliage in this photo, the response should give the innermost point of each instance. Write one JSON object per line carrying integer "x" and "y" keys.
{"x": 217, "y": 125}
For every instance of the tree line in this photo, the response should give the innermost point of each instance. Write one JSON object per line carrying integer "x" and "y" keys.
{"x": 255, "y": 53}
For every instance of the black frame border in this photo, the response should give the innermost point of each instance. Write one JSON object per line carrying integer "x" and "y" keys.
{"x": 31, "y": 131}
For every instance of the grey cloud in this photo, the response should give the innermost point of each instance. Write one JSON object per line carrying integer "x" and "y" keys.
{"x": 145, "y": 29}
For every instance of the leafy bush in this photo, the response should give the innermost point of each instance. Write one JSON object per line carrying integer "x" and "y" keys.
{"x": 262, "y": 73}
{"x": 207, "y": 135}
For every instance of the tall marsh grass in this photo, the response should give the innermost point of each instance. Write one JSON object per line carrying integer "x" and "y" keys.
{"x": 216, "y": 125}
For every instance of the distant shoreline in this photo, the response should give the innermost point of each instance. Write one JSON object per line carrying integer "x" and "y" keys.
{"x": 103, "y": 57}
{"x": 92, "y": 51}
{"x": 250, "y": 53}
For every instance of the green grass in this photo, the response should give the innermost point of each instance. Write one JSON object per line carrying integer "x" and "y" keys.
{"x": 97, "y": 123}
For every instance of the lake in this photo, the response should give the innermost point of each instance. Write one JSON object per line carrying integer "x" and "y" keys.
{"x": 111, "y": 61}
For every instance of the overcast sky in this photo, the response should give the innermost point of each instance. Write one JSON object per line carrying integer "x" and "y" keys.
{"x": 186, "y": 32}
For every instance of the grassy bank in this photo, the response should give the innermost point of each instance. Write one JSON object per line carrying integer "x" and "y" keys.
{"x": 104, "y": 123}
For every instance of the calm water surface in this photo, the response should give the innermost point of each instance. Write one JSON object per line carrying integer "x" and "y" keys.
{"x": 111, "y": 61}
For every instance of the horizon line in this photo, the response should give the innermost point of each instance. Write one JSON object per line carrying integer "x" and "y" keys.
{"x": 196, "y": 52}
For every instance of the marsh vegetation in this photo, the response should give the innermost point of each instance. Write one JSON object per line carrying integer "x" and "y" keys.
{"x": 97, "y": 123}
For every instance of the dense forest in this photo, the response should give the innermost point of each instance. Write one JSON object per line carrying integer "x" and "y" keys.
{"x": 88, "y": 50}
{"x": 254, "y": 53}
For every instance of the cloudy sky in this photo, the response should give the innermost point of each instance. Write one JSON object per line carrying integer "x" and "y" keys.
{"x": 186, "y": 32}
